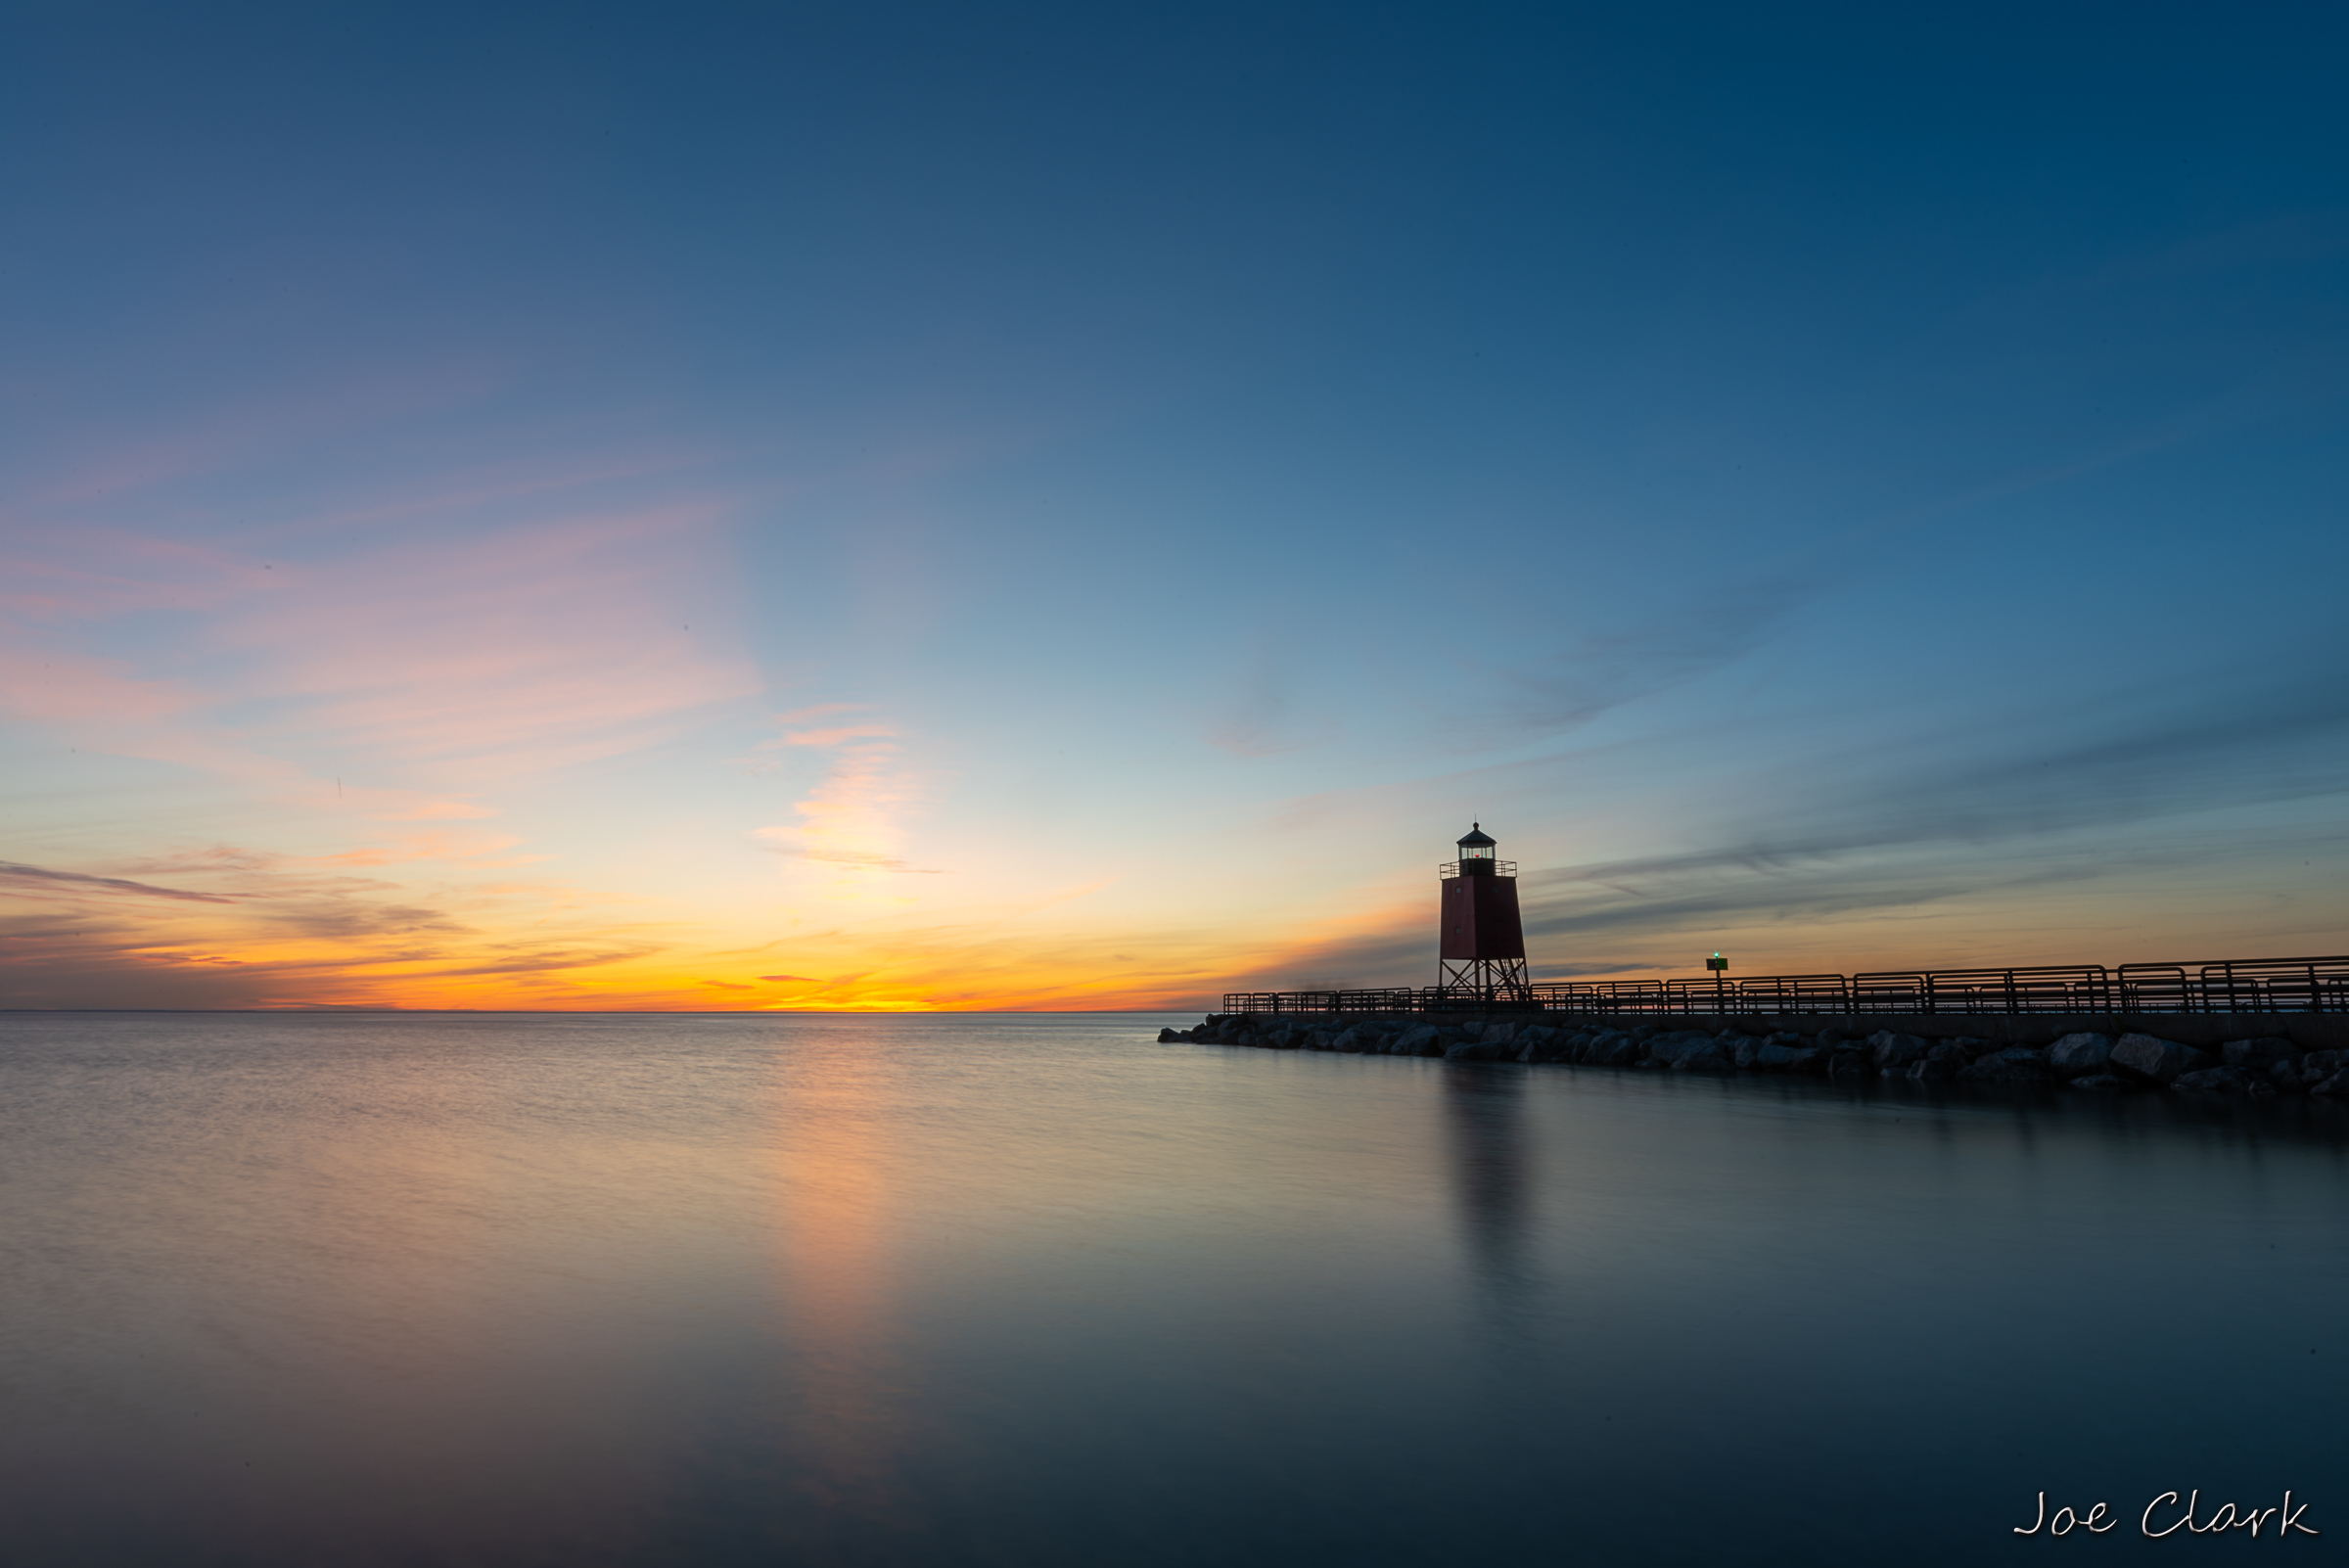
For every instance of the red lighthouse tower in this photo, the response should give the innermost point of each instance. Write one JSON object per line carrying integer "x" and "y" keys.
{"x": 1483, "y": 945}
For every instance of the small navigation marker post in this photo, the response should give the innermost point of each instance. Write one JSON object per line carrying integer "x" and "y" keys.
{"x": 1719, "y": 966}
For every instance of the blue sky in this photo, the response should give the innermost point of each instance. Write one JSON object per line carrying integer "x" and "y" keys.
{"x": 1060, "y": 506}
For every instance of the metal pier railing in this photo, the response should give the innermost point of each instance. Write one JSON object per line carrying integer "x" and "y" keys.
{"x": 2215, "y": 986}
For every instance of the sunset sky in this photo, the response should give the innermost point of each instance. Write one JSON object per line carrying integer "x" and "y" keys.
{"x": 732, "y": 506}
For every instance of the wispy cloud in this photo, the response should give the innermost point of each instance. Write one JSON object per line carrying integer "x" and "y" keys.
{"x": 1605, "y": 671}
{"x": 40, "y": 877}
{"x": 2032, "y": 802}
{"x": 482, "y": 648}
{"x": 853, "y": 817}
{"x": 370, "y": 672}
{"x": 534, "y": 648}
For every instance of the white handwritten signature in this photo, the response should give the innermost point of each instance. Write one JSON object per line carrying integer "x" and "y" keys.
{"x": 2225, "y": 1516}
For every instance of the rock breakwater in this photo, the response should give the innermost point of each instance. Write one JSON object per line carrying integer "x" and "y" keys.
{"x": 2093, "y": 1061}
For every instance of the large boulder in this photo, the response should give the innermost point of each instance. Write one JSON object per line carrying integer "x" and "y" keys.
{"x": 1939, "y": 1065}
{"x": 1664, "y": 1046}
{"x": 2015, "y": 1067}
{"x": 1539, "y": 1043}
{"x": 1652, "y": 1047}
{"x": 2103, "y": 1083}
{"x": 1747, "y": 1050}
{"x": 2316, "y": 1067}
{"x": 2079, "y": 1055}
{"x": 1850, "y": 1066}
{"x": 1894, "y": 1052}
{"x": 1700, "y": 1056}
{"x": 1479, "y": 1050}
{"x": 2158, "y": 1061}
{"x": 1614, "y": 1048}
{"x": 1423, "y": 1039}
{"x": 2337, "y": 1083}
{"x": 2224, "y": 1080}
{"x": 1770, "y": 1056}
{"x": 1167, "y": 1036}
{"x": 2260, "y": 1055}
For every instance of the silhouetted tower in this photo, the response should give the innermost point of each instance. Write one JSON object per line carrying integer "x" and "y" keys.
{"x": 1483, "y": 942}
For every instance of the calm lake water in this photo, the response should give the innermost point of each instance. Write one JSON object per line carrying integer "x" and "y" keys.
{"x": 1034, "y": 1290}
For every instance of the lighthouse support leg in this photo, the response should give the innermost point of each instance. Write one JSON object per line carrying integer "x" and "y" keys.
{"x": 1484, "y": 982}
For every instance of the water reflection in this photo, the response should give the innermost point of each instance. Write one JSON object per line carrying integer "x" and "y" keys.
{"x": 1491, "y": 1172}
{"x": 848, "y": 1404}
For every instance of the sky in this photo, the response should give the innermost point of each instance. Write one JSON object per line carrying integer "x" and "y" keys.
{"x": 906, "y": 506}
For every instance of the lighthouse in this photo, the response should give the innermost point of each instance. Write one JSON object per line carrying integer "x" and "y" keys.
{"x": 1483, "y": 942}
